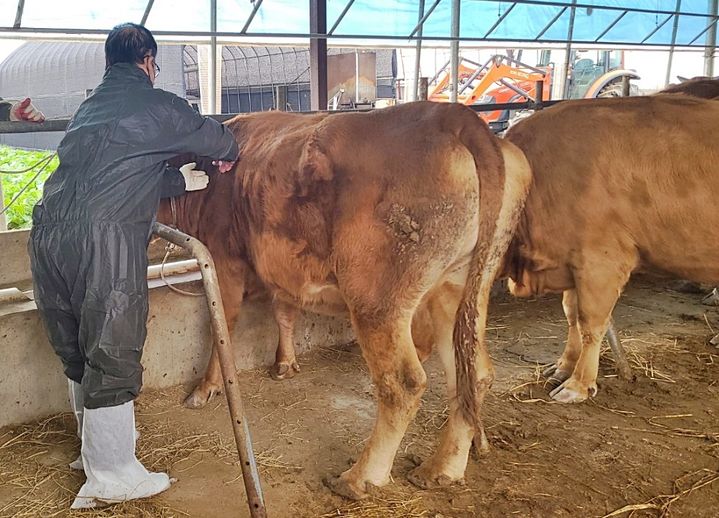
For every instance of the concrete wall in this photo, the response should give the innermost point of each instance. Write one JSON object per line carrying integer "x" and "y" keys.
{"x": 14, "y": 261}
{"x": 177, "y": 349}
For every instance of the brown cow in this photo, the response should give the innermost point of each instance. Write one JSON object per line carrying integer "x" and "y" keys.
{"x": 618, "y": 185}
{"x": 703, "y": 87}
{"x": 396, "y": 216}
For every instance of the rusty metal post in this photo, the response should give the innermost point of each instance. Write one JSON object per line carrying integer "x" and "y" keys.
{"x": 223, "y": 345}
{"x": 454, "y": 52}
{"x": 418, "y": 54}
{"x": 539, "y": 94}
{"x": 675, "y": 28}
{"x": 281, "y": 98}
{"x": 423, "y": 89}
{"x": 625, "y": 86}
{"x": 318, "y": 55}
{"x": 711, "y": 41}
{"x": 620, "y": 357}
{"x": 3, "y": 219}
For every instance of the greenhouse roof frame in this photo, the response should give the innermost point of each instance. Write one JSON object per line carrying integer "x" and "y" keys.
{"x": 608, "y": 23}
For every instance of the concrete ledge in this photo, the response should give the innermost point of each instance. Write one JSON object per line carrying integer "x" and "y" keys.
{"x": 15, "y": 271}
{"x": 177, "y": 349}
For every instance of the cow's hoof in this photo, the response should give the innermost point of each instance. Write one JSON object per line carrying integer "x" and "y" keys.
{"x": 556, "y": 375}
{"x": 343, "y": 487}
{"x": 284, "y": 370}
{"x": 425, "y": 477}
{"x": 571, "y": 391}
{"x": 549, "y": 370}
{"x": 712, "y": 299}
{"x": 201, "y": 395}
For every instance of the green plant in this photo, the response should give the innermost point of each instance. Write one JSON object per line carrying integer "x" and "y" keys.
{"x": 19, "y": 215}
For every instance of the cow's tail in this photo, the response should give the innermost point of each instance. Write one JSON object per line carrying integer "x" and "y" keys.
{"x": 503, "y": 191}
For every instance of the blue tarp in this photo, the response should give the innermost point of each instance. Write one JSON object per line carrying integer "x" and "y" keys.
{"x": 609, "y": 22}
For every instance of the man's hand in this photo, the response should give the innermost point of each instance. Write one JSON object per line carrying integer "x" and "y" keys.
{"x": 223, "y": 166}
{"x": 26, "y": 111}
{"x": 195, "y": 180}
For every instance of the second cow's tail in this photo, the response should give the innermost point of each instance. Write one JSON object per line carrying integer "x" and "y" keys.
{"x": 503, "y": 191}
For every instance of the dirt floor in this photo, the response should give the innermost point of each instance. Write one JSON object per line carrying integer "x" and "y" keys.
{"x": 650, "y": 447}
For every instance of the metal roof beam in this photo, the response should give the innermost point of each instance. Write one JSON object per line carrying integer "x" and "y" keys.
{"x": 581, "y": 5}
{"x": 712, "y": 24}
{"x": 658, "y": 27}
{"x": 500, "y": 19}
{"x": 256, "y": 7}
{"x": 18, "y": 14}
{"x": 424, "y": 19}
{"x": 200, "y": 37}
{"x": 552, "y": 22}
{"x": 341, "y": 16}
{"x": 148, "y": 8}
{"x": 611, "y": 25}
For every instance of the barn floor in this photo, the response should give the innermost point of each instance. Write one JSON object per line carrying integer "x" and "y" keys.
{"x": 652, "y": 444}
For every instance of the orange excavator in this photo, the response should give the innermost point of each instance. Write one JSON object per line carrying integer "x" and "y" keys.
{"x": 501, "y": 79}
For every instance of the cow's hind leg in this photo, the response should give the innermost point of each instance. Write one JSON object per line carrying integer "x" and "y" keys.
{"x": 598, "y": 287}
{"x": 400, "y": 380}
{"x": 563, "y": 368}
{"x": 231, "y": 278}
{"x": 447, "y": 465}
{"x": 286, "y": 365}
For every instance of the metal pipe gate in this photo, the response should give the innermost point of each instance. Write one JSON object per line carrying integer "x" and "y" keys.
{"x": 223, "y": 345}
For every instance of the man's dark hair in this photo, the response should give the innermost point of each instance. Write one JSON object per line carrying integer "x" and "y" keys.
{"x": 129, "y": 43}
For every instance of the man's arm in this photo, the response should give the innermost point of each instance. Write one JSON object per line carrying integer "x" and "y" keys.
{"x": 200, "y": 135}
{"x": 173, "y": 183}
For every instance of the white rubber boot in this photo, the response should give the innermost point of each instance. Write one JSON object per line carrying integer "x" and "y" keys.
{"x": 78, "y": 407}
{"x": 113, "y": 472}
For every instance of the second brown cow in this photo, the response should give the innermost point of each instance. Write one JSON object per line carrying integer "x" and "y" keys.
{"x": 619, "y": 185}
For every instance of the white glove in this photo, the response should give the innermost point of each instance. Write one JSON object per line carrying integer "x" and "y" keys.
{"x": 26, "y": 111}
{"x": 195, "y": 180}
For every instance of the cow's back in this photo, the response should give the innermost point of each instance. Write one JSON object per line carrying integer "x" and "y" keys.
{"x": 704, "y": 87}
{"x": 315, "y": 193}
{"x": 640, "y": 175}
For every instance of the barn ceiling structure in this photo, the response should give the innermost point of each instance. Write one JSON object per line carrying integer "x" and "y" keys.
{"x": 609, "y": 23}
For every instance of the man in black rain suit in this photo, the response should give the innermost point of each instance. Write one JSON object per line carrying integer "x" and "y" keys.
{"x": 88, "y": 250}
